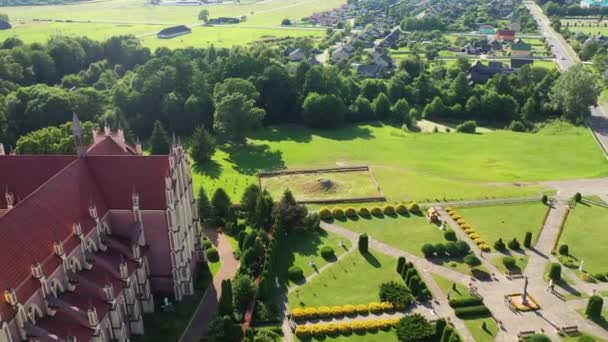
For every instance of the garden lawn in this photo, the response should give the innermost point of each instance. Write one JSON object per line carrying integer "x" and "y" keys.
{"x": 480, "y": 334}
{"x": 602, "y": 321}
{"x": 355, "y": 279}
{"x": 406, "y": 233}
{"x": 299, "y": 247}
{"x": 521, "y": 261}
{"x": 379, "y": 336}
{"x": 505, "y": 221}
{"x": 577, "y": 337}
{"x": 586, "y": 236}
{"x": 446, "y": 286}
{"x": 344, "y": 185}
{"x": 420, "y": 166}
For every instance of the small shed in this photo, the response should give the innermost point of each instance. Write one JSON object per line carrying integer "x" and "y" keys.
{"x": 174, "y": 31}
{"x": 4, "y": 25}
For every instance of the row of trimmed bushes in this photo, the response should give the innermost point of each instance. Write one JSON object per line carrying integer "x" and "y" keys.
{"x": 345, "y": 328}
{"x": 472, "y": 311}
{"x": 341, "y": 213}
{"x": 473, "y": 235}
{"x": 343, "y": 310}
{"x": 465, "y": 301}
{"x": 412, "y": 279}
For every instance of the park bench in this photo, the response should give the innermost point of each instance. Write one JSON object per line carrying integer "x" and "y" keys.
{"x": 523, "y": 335}
{"x": 573, "y": 329}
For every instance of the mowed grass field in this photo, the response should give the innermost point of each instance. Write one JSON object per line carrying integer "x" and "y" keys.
{"x": 505, "y": 221}
{"x": 314, "y": 186}
{"x": 103, "y": 19}
{"x": 419, "y": 166}
{"x": 586, "y": 236}
{"x": 588, "y": 26}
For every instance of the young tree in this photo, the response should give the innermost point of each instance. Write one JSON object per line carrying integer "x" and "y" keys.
{"x": 249, "y": 199}
{"x": 400, "y": 113}
{"x": 262, "y": 216}
{"x": 363, "y": 243}
{"x": 203, "y": 16}
{"x": 243, "y": 290}
{"x": 225, "y": 307}
{"x": 528, "y": 240}
{"x": 221, "y": 207}
{"x": 382, "y": 106}
{"x": 555, "y": 271}
{"x": 574, "y": 91}
{"x": 203, "y": 205}
{"x": 594, "y": 307}
{"x": 414, "y": 328}
{"x": 292, "y": 213}
{"x": 203, "y": 146}
{"x": 235, "y": 116}
{"x": 159, "y": 140}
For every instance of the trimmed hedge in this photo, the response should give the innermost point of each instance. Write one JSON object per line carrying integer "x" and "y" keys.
{"x": 328, "y": 253}
{"x": 213, "y": 255}
{"x": 364, "y": 212}
{"x": 207, "y": 244}
{"x": 401, "y": 209}
{"x": 388, "y": 210}
{"x": 471, "y": 311}
{"x": 325, "y": 214}
{"x": 376, "y": 211}
{"x": 299, "y": 314}
{"x": 345, "y": 328}
{"x": 509, "y": 262}
{"x": 338, "y": 213}
{"x": 413, "y": 207}
{"x": 295, "y": 273}
{"x": 350, "y": 212}
{"x": 465, "y": 301}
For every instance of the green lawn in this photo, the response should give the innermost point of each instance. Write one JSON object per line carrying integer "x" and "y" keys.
{"x": 521, "y": 261}
{"x": 576, "y": 338}
{"x": 379, "y": 336}
{"x": 588, "y": 26}
{"x": 602, "y": 321}
{"x": 420, "y": 166}
{"x": 353, "y": 280}
{"x": 103, "y": 19}
{"x": 308, "y": 186}
{"x": 480, "y": 334}
{"x": 214, "y": 267}
{"x": 446, "y": 286}
{"x": 300, "y": 246}
{"x": 407, "y": 233}
{"x": 506, "y": 221}
{"x": 586, "y": 236}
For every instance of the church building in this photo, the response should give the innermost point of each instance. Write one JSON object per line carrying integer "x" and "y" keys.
{"x": 87, "y": 239}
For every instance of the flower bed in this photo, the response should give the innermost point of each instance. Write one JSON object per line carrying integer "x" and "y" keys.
{"x": 300, "y": 314}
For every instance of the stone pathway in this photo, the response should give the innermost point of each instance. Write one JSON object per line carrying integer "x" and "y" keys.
{"x": 207, "y": 308}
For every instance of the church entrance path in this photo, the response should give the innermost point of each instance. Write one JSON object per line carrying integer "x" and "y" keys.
{"x": 207, "y": 308}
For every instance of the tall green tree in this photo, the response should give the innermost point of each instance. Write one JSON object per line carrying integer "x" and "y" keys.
{"x": 400, "y": 113}
{"x": 249, "y": 199}
{"x": 323, "y": 111}
{"x": 52, "y": 140}
{"x": 159, "y": 140}
{"x": 203, "y": 16}
{"x": 221, "y": 207}
{"x": 203, "y": 146}
{"x": 292, "y": 213}
{"x": 235, "y": 116}
{"x": 573, "y": 92}
{"x": 262, "y": 217}
{"x": 203, "y": 205}
{"x": 243, "y": 290}
{"x": 225, "y": 307}
{"x": 382, "y": 106}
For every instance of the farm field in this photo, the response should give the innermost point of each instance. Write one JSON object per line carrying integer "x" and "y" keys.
{"x": 585, "y": 235}
{"x": 326, "y": 185}
{"x": 588, "y": 26}
{"x": 419, "y": 166}
{"x": 344, "y": 283}
{"x": 505, "y": 221}
{"x": 103, "y": 19}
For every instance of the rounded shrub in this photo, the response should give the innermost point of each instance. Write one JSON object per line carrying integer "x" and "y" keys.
{"x": 376, "y": 211}
{"x": 413, "y": 207}
{"x": 538, "y": 338}
{"x": 350, "y": 212}
{"x": 485, "y": 247}
{"x": 600, "y": 277}
{"x": 401, "y": 209}
{"x": 461, "y": 222}
{"x": 362, "y": 309}
{"x": 213, "y": 255}
{"x": 472, "y": 260}
{"x": 207, "y": 244}
{"x": 440, "y": 250}
{"x": 563, "y": 250}
{"x": 364, "y": 212}
{"x": 509, "y": 262}
{"x": 338, "y": 213}
{"x": 295, "y": 273}
{"x": 452, "y": 248}
{"x": 528, "y": 240}
{"x": 514, "y": 244}
{"x": 474, "y": 236}
{"x": 449, "y": 235}
{"x": 325, "y": 214}
{"x": 428, "y": 250}
{"x": 500, "y": 246}
{"x": 463, "y": 247}
{"x": 388, "y": 210}
{"x": 327, "y": 252}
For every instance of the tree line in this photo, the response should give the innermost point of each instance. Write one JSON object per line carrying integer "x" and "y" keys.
{"x": 227, "y": 93}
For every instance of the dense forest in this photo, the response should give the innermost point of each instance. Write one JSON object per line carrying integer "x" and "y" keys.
{"x": 233, "y": 91}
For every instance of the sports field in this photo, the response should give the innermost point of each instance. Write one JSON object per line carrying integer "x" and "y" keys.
{"x": 103, "y": 19}
{"x": 419, "y": 166}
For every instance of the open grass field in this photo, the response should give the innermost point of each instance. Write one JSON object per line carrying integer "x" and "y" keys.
{"x": 103, "y": 19}
{"x": 521, "y": 261}
{"x": 379, "y": 336}
{"x": 446, "y": 285}
{"x": 301, "y": 246}
{"x": 353, "y": 280}
{"x": 586, "y": 236}
{"x": 506, "y": 221}
{"x": 577, "y": 337}
{"x": 322, "y": 186}
{"x": 407, "y": 233}
{"x": 480, "y": 334}
{"x": 419, "y": 166}
{"x": 588, "y": 26}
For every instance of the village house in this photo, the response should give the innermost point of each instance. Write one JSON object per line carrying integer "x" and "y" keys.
{"x": 480, "y": 73}
{"x": 174, "y": 31}
{"x": 4, "y": 25}
{"x": 341, "y": 53}
{"x": 391, "y": 39}
{"x": 520, "y": 48}
{"x": 505, "y": 35}
{"x": 296, "y": 55}
{"x": 88, "y": 239}
{"x": 369, "y": 70}
{"x": 487, "y": 29}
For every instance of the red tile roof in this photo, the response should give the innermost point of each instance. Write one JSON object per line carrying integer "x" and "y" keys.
{"x": 117, "y": 176}
{"x": 110, "y": 147}
{"x": 22, "y": 175}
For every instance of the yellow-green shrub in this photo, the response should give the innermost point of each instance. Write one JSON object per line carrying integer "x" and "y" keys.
{"x": 345, "y": 328}
{"x": 478, "y": 241}
{"x": 303, "y": 331}
{"x": 455, "y": 216}
{"x": 349, "y": 310}
{"x": 324, "y": 311}
{"x": 337, "y": 311}
{"x": 325, "y": 214}
{"x": 350, "y": 212}
{"x": 311, "y": 312}
{"x": 375, "y": 307}
{"x": 485, "y": 247}
{"x": 449, "y": 209}
{"x": 401, "y": 209}
{"x": 338, "y": 213}
{"x": 362, "y": 309}
{"x": 388, "y": 210}
{"x": 376, "y": 211}
{"x": 473, "y": 236}
{"x": 298, "y": 314}
{"x": 461, "y": 221}
{"x": 364, "y": 212}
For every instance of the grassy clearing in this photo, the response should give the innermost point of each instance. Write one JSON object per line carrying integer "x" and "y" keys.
{"x": 308, "y": 186}
{"x": 301, "y": 246}
{"x": 521, "y": 261}
{"x": 584, "y": 233}
{"x": 104, "y": 19}
{"x": 379, "y": 336}
{"x": 424, "y": 167}
{"x": 446, "y": 286}
{"x": 353, "y": 280}
{"x": 406, "y": 233}
{"x": 214, "y": 267}
{"x": 505, "y": 221}
{"x": 480, "y": 334}
{"x": 602, "y": 321}
{"x": 588, "y": 26}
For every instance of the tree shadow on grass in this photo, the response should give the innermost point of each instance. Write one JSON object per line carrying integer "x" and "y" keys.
{"x": 210, "y": 169}
{"x": 372, "y": 260}
{"x": 601, "y": 321}
{"x": 568, "y": 288}
{"x": 346, "y": 133}
{"x": 250, "y": 159}
{"x": 284, "y": 133}
{"x": 481, "y": 275}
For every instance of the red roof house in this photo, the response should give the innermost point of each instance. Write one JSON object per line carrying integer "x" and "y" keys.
{"x": 505, "y": 35}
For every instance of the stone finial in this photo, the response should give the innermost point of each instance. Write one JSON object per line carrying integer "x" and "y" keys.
{"x": 10, "y": 199}
{"x": 2, "y": 153}
{"x": 92, "y": 315}
{"x": 37, "y": 270}
{"x": 138, "y": 149}
{"x": 10, "y": 296}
